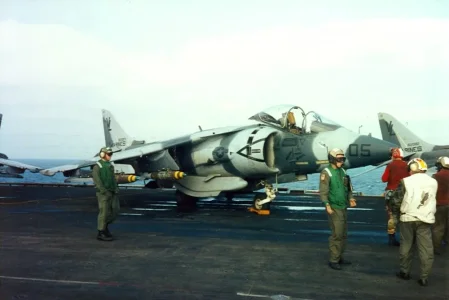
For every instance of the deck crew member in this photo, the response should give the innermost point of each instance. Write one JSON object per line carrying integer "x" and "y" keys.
{"x": 336, "y": 194}
{"x": 394, "y": 172}
{"x": 418, "y": 207}
{"x": 441, "y": 225}
{"x": 108, "y": 203}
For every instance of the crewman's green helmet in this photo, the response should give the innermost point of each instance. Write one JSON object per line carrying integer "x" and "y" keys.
{"x": 104, "y": 151}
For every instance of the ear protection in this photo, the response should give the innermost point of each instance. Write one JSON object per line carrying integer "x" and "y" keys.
{"x": 444, "y": 161}
{"x": 417, "y": 164}
{"x": 104, "y": 151}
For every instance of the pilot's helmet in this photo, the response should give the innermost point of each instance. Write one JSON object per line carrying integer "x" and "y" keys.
{"x": 417, "y": 164}
{"x": 333, "y": 156}
{"x": 397, "y": 153}
{"x": 104, "y": 151}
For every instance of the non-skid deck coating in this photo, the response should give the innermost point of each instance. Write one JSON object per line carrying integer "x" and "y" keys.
{"x": 48, "y": 250}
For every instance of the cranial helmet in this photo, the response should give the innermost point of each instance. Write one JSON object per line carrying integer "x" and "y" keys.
{"x": 417, "y": 164}
{"x": 397, "y": 153}
{"x": 332, "y": 156}
{"x": 443, "y": 161}
{"x": 104, "y": 151}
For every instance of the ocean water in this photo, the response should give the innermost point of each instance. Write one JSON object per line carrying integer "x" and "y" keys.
{"x": 368, "y": 183}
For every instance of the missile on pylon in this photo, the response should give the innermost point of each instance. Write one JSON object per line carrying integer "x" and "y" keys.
{"x": 167, "y": 175}
{"x": 126, "y": 178}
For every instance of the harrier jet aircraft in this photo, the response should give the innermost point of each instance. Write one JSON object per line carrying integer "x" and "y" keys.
{"x": 284, "y": 144}
{"x": 10, "y": 168}
{"x": 395, "y": 132}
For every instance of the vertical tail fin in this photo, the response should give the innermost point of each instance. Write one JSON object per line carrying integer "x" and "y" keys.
{"x": 114, "y": 135}
{"x": 395, "y": 132}
{"x": 1, "y": 154}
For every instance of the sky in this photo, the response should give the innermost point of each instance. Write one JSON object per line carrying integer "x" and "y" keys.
{"x": 164, "y": 67}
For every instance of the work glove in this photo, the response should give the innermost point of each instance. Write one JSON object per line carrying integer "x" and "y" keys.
{"x": 352, "y": 202}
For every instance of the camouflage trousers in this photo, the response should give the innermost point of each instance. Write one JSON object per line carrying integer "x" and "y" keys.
{"x": 393, "y": 211}
{"x": 338, "y": 223}
{"x": 108, "y": 209}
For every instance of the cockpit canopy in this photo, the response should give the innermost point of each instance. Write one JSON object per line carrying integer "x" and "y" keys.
{"x": 293, "y": 119}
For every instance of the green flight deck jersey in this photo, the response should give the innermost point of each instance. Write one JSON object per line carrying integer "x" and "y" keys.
{"x": 335, "y": 187}
{"x": 104, "y": 177}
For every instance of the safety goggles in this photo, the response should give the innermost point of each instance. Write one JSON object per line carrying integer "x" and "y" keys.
{"x": 340, "y": 159}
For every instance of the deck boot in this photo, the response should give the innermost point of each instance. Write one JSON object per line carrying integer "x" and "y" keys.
{"x": 102, "y": 236}
{"x": 392, "y": 240}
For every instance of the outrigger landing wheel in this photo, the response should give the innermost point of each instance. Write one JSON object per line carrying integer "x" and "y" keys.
{"x": 256, "y": 202}
{"x": 262, "y": 202}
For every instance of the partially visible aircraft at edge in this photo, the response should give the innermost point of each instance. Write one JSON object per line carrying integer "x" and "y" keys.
{"x": 395, "y": 132}
{"x": 284, "y": 145}
{"x": 10, "y": 168}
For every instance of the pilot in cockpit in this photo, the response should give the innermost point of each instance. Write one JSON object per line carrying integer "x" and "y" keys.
{"x": 291, "y": 123}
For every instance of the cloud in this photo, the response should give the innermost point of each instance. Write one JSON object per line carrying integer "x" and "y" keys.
{"x": 59, "y": 55}
{"x": 346, "y": 70}
{"x": 54, "y": 55}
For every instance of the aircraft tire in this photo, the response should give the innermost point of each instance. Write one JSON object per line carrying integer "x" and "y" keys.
{"x": 265, "y": 206}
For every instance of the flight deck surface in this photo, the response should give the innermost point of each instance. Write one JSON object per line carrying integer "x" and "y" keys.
{"x": 220, "y": 251}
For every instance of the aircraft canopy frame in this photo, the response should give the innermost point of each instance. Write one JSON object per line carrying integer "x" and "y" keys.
{"x": 294, "y": 119}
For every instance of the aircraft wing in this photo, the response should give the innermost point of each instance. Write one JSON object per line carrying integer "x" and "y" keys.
{"x": 64, "y": 168}
{"x": 19, "y": 165}
{"x": 146, "y": 149}
{"x": 118, "y": 156}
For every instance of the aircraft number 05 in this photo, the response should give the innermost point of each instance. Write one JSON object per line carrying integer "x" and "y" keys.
{"x": 362, "y": 149}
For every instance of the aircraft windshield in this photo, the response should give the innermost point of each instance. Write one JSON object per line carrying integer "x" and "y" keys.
{"x": 293, "y": 118}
